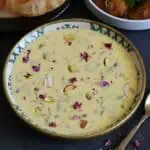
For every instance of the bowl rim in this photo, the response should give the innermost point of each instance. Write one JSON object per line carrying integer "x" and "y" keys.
{"x": 117, "y": 18}
{"x": 73, "y": 137}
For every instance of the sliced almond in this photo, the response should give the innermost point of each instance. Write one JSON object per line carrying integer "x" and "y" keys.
{"x": 48, "y": 82}
{"x": 50, "y": 99}
{"x": 69, "y": 88}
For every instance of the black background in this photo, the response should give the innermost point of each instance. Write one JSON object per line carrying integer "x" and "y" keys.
{"x": 15, "y": 135}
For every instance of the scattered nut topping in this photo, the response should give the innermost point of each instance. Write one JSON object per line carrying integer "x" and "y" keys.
{"x": 27, "y": 76}
{"x": 48, "y": 82}
{"x": 44, "y": 56}
{"x": 50, "y": 99}
{"x": 84, "y": 115}
{"x": 36, "y": 89}
{"x": 83, "y": 123}
{"x": 72, "y": 68}
{"x": 89, "y": 96}
{"x": 69, "y": 88}
{"x": 75, "y": 117}
{"x": 41, "y": 46}
{"x": 105, "y": 62}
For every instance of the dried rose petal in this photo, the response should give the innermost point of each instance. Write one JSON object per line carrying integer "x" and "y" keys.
{"x": 85, "y": 56}
{"x": 136, "y": 144}
{"x": 83, "y": 123}
{"x": 108, "y": 143}
{"x": 72, "y": 80}
{"x": 36, "y": 68}
{"x": 25, "y": 59}
{"x": 108, "y": 45}
{"x": 103, "y": 84}
{"x": 53, "y": 125}
{"x": 75, "y": 117}
{"x": 77, "y": 105}
{"x": 42, "y": 96}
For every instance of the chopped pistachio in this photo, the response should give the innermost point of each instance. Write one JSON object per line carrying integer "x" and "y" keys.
{"x": 69, "y": 88}
{"x": 50, "y": 99}
{"x": 72, "y": 68}
{"x": 105, "y": 61}
{"x": 44, "y": 56}
{"x": 37, "y": 111}
{"x": 27, "y": 76}
{"x": 41, "y": 46}
{"x": 89, "y": 96}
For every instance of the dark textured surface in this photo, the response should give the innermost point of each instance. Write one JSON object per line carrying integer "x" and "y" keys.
{"x": 15, "y": 135}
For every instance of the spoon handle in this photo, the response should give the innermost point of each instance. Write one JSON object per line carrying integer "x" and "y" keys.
{"x": 125, "y": 142}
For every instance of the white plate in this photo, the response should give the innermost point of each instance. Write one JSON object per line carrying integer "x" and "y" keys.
{"x": 115, "y": 21}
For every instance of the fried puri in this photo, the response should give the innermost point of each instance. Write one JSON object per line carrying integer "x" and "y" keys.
{"x": 2, "y": 3}
{"x": 33, "y": 7}
{"x": 117, "y": 8}
{"x": 140, "y": 12}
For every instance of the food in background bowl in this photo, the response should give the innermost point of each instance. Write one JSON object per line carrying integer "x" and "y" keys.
{"x": 30, "y": 8}
{"x": 132, "y": 9}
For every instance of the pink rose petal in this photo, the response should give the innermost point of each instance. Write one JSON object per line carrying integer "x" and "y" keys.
{"x": 103, "y": 84}
{"x": 136, "y": 144}
{"x": 85, "y": 56}
{"x": 77, "y": 105}
{"x": 108, "y": 45}
{"x": 36, "y": 68}
{"x": 25, "y": 59}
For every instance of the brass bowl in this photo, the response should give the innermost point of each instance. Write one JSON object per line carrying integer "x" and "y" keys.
{"x": 75, "y": 23}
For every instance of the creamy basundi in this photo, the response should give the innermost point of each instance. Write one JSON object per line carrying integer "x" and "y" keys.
{"x": 74, "y": 81}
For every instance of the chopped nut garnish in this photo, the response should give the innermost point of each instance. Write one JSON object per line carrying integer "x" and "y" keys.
{"x": 27, "y": 76}
{"x": 105, "y": 61}
{"x": 83, "y": 123}
{"x": 41, "y": 46}
{"x": 50, "y": 99}
{"x": 44, "y": 56}
{"x": 72, "y": 68}
{"x": 69, "y": 88}
{"x": 89, "y": 96}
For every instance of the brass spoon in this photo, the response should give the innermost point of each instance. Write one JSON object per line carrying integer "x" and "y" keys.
{"x": 126, "y": 141}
